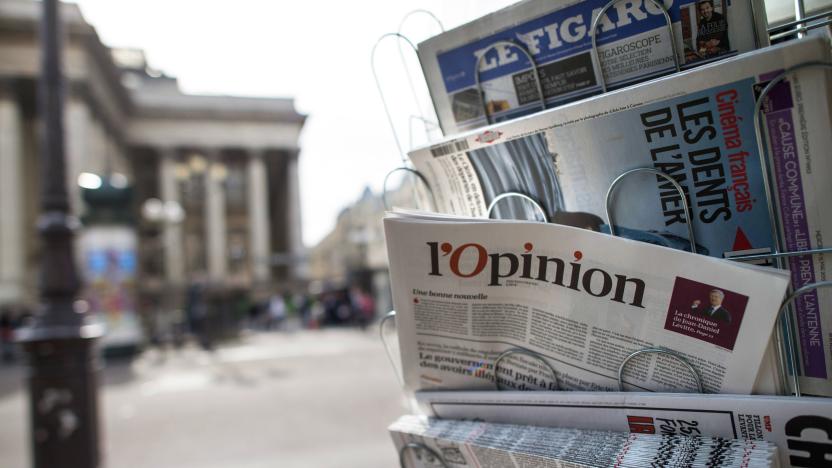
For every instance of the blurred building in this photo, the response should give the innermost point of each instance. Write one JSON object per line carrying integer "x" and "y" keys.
{"x": 354, "y": 253}
{"x": 215, "y": 178}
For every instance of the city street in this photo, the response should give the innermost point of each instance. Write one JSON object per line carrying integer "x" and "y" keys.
{"x": 282, "y": 399}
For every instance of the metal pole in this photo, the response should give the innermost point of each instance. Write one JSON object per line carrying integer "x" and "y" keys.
{"x": 799, "y": 15}
{"x": 61, "y": 357}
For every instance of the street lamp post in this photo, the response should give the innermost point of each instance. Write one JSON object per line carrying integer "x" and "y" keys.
{"x": 63, "y": 396}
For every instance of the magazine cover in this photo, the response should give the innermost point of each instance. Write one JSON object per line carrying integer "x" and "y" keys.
{"x": 633, "y": 40}
{"x": 697, "y": 127}
{"x": 799, "y": 426}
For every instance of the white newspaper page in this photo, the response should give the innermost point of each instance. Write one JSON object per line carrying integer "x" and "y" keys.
{"x": 464, "y": 292}
{"x": 800, "y": 427}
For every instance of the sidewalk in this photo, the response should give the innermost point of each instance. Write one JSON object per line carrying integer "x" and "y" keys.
{"x": 288, "y": 399}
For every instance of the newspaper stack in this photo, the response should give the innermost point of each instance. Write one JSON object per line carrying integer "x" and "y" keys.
{"x": 798, "y": 426}
{"x": 466, "y": 290}
{"x": 697, "y": 127}
{"x": 469, "y": 443}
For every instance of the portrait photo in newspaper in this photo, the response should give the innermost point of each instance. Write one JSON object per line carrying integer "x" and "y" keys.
{"x": 706, "y": 312}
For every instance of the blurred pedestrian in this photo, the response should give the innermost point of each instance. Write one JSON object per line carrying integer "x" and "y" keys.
{"x": 330, "y": 305}
{"x": 197, "y": 313}
{"x": 255, "y": 313}
{"x": 6, "y": 335}
{"x": 343, "y": 308}
{"x": 317, "y": 314}
{"x": 363, "y": 306}
{"x": 368, "y": 309}
{"x": 179, "y": 328}
{"x": 277, "y": 312}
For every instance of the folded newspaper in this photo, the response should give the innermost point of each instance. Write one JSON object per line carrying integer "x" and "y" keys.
{"x": 424, "y": 442}
{"x": 633, "y": 45}
{"x": 800, "y": 427}
{"x": 466, "y": 290}
{"x": 697, "y": 127}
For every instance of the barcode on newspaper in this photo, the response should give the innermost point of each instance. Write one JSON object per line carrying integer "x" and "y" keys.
{"x": 453, "y": 147}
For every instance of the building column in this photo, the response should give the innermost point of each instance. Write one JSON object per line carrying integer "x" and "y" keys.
{"x": 77, "y": 121}
{"x": 293, "y": 212}
{"x": 215, "y": 226}
{"x": 115, "y": 152}
{"x": 12, "y": 248}
{"x": 172, "y": 241}
{"x": 95, "y": 160}
{"x": 258, "y": 215}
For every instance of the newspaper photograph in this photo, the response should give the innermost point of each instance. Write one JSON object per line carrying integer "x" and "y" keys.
{"x": 428, "y": 442}
{"x": 698, "y": 128}
{"x": 798, "y": 426}
{"x": 634, "y": 45}
{"x": 466, "y": 291}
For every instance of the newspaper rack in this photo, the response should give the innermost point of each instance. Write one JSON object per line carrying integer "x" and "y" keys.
{"x": 782, "y": 316}
{"x": 419, "y": 176}
{"x": 662, "y": 351}
{"x": 800, "y": 26}
{"x": 599, "y": 70}
{"x": 535, "y": 73}
{"x": 421, "y": 117}
{"x": 787, "y": 348}
{"x": 389, "y": 316}
{"x": 556, "y": 383}
{"x": 791, "y": 349}
{"x": 401, "y": 37}
{"x": 597, "y": 64}
{"x": 658, "y": 173}
{"x": 531, "y": 354}
{"x": 387, "y": 113}
{"x": 421, "y": 11}
{"x": 765, "y": 164}
{"x": 786, "y": 339}
{"x": 537, "y": 207}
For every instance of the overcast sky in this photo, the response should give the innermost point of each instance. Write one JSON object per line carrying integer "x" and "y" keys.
{"x": 315, "y": 51}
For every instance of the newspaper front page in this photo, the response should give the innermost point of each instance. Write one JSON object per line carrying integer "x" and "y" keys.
{"x": 633, "y": 44}
{"x": 697, "y": 127}
{"x": 466, "y": 291}
{"x": 482, "y": 444}
{"x": 798, "y": 426}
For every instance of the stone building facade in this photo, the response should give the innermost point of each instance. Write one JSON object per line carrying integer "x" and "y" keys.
{"x": 354, "y": 253}
{"x": 230, "y": 163}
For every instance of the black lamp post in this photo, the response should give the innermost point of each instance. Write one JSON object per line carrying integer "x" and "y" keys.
{"x": 61, "y": 355}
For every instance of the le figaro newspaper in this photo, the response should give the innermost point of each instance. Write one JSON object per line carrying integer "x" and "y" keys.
{"x": 633, "y": 44}
{"x": 697, "y": 127}
{"x": 465, "y": 291}
{"x": 799, "y": 427}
